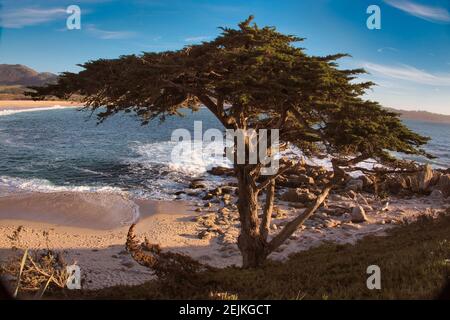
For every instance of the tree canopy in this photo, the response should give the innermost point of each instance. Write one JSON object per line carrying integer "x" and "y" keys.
{"x": 252, "y": 78}
{"x": 244, "y": 76}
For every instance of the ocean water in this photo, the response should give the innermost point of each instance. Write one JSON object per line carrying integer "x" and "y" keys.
{"x": 64, "y": 149}
{"x": 439, "y": 145}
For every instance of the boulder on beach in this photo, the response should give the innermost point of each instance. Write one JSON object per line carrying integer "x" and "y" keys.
{"x": 228, "y": 190}
{"x": 425, "y": 177}
{"x": 436, "y": 194}
{"x": 296, "y": 181}
{"x": 354, "y": 185}
{"x": 197, "y": 184}
{"x": 221, "y": 171}
{"x": 443, "y": 184}
{"x": 367, "y": 182}
{"x": 358, "y": 215}
{"x": 298, "y": 195}
{"x": 395, "y": 184}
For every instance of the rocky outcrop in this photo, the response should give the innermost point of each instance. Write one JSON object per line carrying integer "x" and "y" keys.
{"x": 425, "y": 177}
{"x": 312, "y": 178}
{"x": 421, "y": 181}
{"x": 424, "y": 181}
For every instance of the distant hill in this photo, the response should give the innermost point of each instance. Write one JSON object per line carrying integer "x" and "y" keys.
{"x": 17, "y": 74}
{"x": 422, "y": 116}
{"x": 14, "y": 79}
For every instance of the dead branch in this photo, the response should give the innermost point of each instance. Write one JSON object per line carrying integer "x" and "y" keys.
{"x": 162, "y": 263}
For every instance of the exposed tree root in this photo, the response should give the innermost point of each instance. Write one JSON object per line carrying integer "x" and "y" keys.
{"x": 162, "y": 263}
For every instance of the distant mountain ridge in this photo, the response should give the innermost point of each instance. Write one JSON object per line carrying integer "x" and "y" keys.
{"x": 17, "y": 74}
{"x": 422, "y": 116}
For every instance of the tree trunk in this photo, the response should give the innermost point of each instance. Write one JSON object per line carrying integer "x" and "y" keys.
{"x": 268, "y": 209}
{"x": 250, "y": 242}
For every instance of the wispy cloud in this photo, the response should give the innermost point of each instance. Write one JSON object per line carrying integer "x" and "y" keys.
{"x": 109, "y": 34}
{"x": 387, "y": 49}
{"x": 408, "y": 73}
{"x": 23, "y": 17}
{"x": 429, "y": 13}
{"x": 384, "y": 49}
{"x": 197, "y": 39}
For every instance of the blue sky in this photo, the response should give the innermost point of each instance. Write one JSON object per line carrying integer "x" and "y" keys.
{"x": 408, "y": 57}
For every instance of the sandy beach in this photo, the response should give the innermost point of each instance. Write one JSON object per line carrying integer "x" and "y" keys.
{"x": 8, "y": 107}
{"x": 29, "y": 104}
{"x": 90, "y": 229}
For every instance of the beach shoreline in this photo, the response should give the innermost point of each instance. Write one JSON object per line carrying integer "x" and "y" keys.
{"x": 30, "y": 104}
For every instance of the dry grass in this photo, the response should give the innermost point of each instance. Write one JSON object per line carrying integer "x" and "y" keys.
{"x": 35, "y": 271}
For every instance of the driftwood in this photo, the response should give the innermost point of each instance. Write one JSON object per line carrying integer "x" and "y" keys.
{"x": 162, "y": 263}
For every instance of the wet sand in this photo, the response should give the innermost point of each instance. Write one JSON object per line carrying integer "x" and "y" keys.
{"x": 82, "y": 210}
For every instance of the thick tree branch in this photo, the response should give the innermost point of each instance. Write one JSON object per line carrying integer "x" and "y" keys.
{"x": 292, "y": 226}
{"x": 302, "y": 121}
{"x": 268, "y": 209}
{"x": 282, "y": 119}
{"x": 271, "y": 178}
{"x": 352, "y": 162}
{"x": 228, "y": 122}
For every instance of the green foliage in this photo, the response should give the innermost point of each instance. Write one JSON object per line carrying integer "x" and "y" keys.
{"x": 248, "y": 77}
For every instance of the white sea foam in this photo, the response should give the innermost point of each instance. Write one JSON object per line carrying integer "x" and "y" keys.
{"x": 326, "y": 162}
{"x": 184, "y": 157}
{"x": 8, "y": 112}
{"x": 135, "y": 217}
{"x": 151, "y": 157}
{"x": 12, "y": 184}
